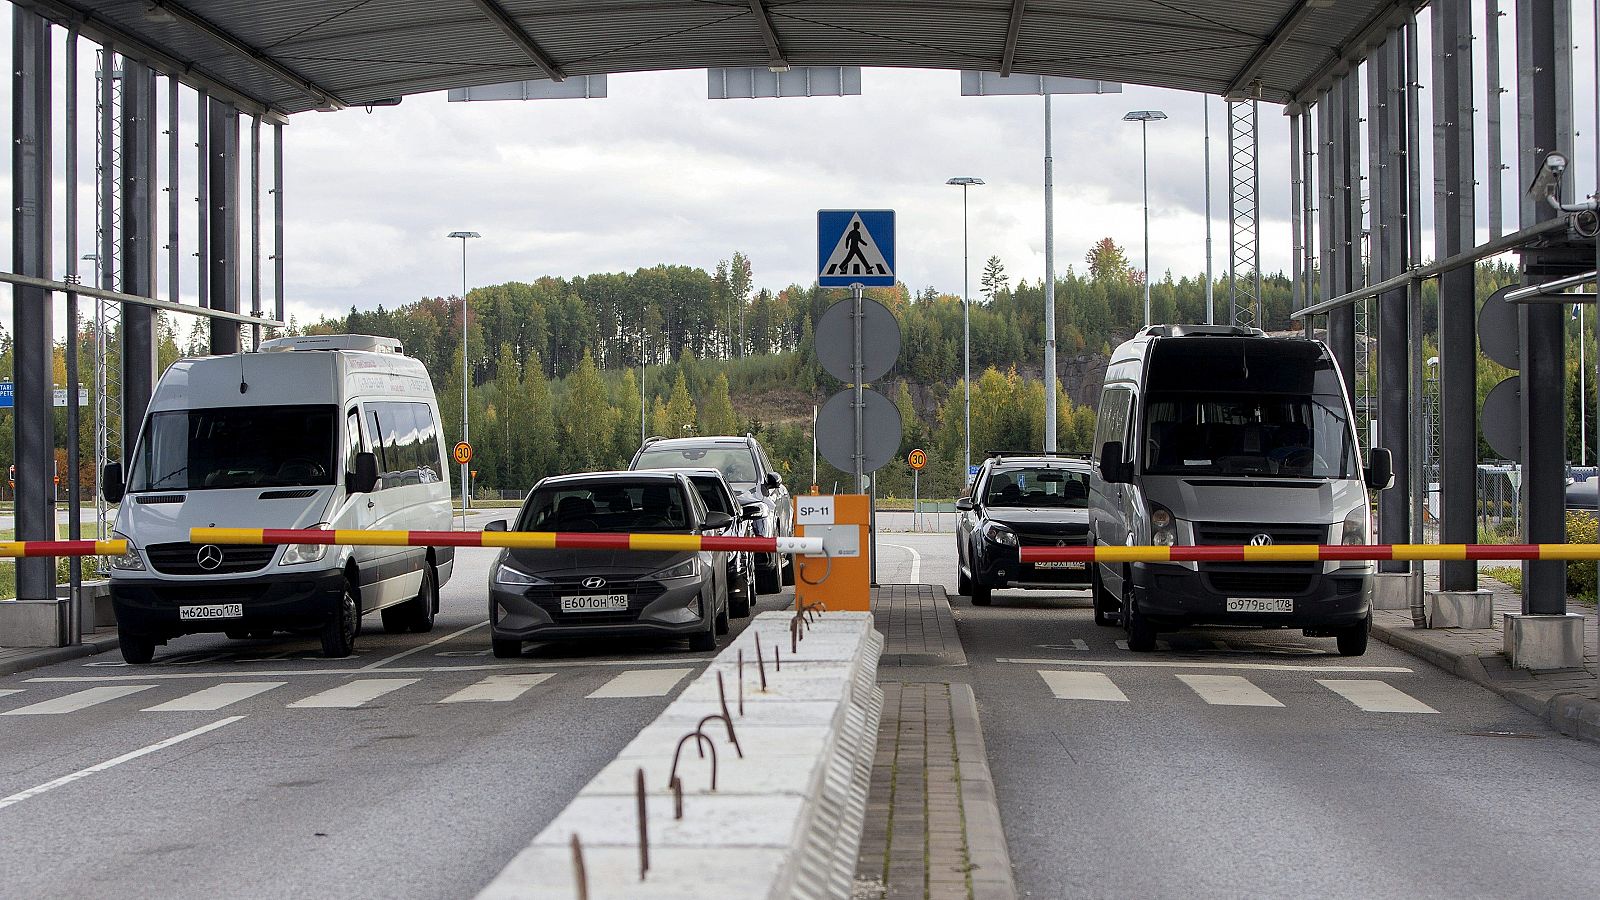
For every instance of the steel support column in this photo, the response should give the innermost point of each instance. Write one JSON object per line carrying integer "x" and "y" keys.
{"x": 32, "y": 309}
{"x": 1343, "y": 144}
{"x": 1454, "y": 231}
{"x": 1244, "y": 217}
{"x": 1543, "y": 347}
{"x": 1297, "y": 190}
{"x": 1386, "y": 162}
{"x": 139, "y": 246}
{"x": 222, "y": 265}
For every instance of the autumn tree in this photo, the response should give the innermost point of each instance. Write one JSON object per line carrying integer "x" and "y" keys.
{"x": 1108, "y": 262}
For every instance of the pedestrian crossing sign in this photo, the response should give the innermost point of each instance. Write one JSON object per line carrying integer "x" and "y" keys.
{"x": 855, "y": 246}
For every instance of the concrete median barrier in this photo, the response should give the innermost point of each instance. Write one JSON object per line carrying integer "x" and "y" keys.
{"x": 784, "y": 817}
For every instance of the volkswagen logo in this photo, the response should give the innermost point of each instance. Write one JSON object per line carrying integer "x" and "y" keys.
{"x": 594, "y": 582}
{"x": 1061, "y": 543}
{"x": 208, "y": 557}
{"x": 1261, "y": 540}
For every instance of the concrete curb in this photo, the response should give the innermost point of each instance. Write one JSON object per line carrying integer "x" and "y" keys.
{"x": 986, "y": 838}
{"x": 1570, "y": 713}
{"x": 51, "y": 655}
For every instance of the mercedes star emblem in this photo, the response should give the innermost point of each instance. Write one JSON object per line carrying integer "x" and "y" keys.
{"x": 209, "y": 557}
{"x": 594, "y": 582}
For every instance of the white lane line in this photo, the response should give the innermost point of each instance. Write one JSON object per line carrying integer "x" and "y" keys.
{"x": 216, "y": 697}
{"x": 433, "y": 643}
{"x": 349, "y": 696}
{"x": 1080, "y": 644}
{"x": 1177, "y": 664}
{"x": 497, "y": 688}
{"x": 1375, "y": 696}
{"x": 1228, "y": 690}
{"x": 674, "y": 660}
{"x": 916, "y": 563}
{"x": 643, "y": 683}
{"x": 80, "y": 700}
{"x": 1082, "y": 686}
{"x": 117, "y": 761}
{"x": 9, "y": 691}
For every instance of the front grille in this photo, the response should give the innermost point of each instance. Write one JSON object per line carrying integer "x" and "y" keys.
{"x": 1234, "y": 534}
{"x": 1070, "y": 534}
{"x": 182, "y": 559}
{"x": 1243, "y": 582}
{"x": 158, "y": 498}
{"x": 640, "y": 595}
{"x": 1259, "y": 579}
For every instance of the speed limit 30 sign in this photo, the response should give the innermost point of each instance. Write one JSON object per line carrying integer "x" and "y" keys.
{"x": 462, "y": 452}
{"x": 916, "y": 459}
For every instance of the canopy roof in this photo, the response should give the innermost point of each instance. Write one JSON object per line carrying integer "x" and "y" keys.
{"x": 289, "y": 56}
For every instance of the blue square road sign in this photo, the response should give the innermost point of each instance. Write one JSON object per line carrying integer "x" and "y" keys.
{"x": 855, "y": 246}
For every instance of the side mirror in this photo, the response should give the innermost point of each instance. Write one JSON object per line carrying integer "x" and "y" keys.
{"x": 1113, "y": 468}
{"x": 752, "y": 511}
{"x": 111, "y": 485}
{"x": 716, "y": 521}
{"x": 772, "y": 482}
{"x": 364, "y": 480}
{"x": 965, "y": 504}
{"x": 496, "y": 525}
{"x": 1380, "y": 469}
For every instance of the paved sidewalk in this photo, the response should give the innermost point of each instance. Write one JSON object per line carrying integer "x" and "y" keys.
{"x": 1568, "y": 699}
{"x": 20, "y": 659}
{"x": 932, "y": 829}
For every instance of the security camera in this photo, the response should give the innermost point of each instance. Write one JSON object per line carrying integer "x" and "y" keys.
{"x": 1555, "y": 163}
{"x": 1547, "y": 183}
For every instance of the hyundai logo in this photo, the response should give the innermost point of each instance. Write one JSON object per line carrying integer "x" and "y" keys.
{"x": 208, "y": 557}
{"x": 594, "y": 582}
{"x": 1261, "y": 540}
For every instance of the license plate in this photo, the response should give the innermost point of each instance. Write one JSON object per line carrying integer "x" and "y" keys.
{"x": 1259, "y": 605}
{"x": 595, "y": 603}
{"x": 1058, "y": 565}
{"x": 211, "y": 611}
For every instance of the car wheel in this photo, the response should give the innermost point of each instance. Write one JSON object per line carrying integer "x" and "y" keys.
{"x": 769, "y": 581}
{"x": 1102, "y": 599}
{"x": 424, "y": 605}
{"x": 701, "y": 641}
{"x": 722, "y": 624}
{"x": 339, "y": 632}
{"x": 506, "y": 648}
{"x": 137, "y": 649}
{"x": 786, "y": 565}
{"x": 1141, "y": 633}
{"x": 397, "y": 619}
{"x": 1352, "y": 641}
{"x": 963, "y": 583}
{"x": 740, "y": 601}
{"x": 982, "y": 594}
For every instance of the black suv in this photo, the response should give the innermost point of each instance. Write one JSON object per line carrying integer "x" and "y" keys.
{"x": 744, "y": 464}
{"x": 1022, "y": 501}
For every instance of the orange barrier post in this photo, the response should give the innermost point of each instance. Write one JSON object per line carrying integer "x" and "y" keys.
{"x": 842, "y": 579}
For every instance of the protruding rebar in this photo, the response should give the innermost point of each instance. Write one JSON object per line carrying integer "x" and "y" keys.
{"x": 677, "y": 798}
{"x": 722, "y": 697}
{"x": 761, "y": 663}
{"x": 578, "y": 872}
{"x": 741, "y": 682}
{"x": 701, "y": 742}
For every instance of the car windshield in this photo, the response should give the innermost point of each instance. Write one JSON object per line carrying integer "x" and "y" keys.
{"x": 236, "y": 447}
{"x": 607, "y": 506}
{"x": 1041, "y": 486}
{"x": 1286, "y": 436}
{"x": 737, "y": 464}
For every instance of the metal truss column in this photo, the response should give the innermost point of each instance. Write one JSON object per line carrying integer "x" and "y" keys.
{"x": 1386, "y": 162}
{"x": 139, "y": 245}
{"x": 222, "y": 263}
{"x": 1543, "y": 349}
{"x": 1244, "y": 216}
{"x": 1454, "y": 230}
{"x": 32, "y": 318}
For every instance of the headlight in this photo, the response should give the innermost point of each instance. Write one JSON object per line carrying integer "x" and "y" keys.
{"x": 130, "y": 561}
{"x": 685, "y": 569}
{"x": 295, "y": 554}
{"x": 1355, "y": 527}
{"x": 1002, "y": 535}
{"x": 1163, "y": 527}
{"x": 507, "y": 575}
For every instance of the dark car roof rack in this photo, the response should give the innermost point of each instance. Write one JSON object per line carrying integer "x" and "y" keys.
{"x": 1044, "y": 454}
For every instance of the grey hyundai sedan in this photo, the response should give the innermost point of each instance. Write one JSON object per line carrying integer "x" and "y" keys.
{"x": 555, "y": 594}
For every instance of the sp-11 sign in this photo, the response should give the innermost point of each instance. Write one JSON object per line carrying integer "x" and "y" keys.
{"x": 813, "y": 510}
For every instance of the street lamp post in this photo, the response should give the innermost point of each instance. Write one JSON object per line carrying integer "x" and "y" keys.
{"x": 1144, "y": 117}
{"x": 966, "y": 321}
{"x": 466, "y": 377}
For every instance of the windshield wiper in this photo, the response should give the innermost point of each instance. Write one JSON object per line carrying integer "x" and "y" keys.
{"x": 178, "y": 471}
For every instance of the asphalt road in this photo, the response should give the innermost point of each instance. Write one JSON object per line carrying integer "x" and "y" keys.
{"x": 417, "y": 768}
{"x": 1179, "y": 774}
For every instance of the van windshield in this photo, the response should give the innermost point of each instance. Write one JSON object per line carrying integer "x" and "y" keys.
{"x": 1280, "y": 435}
{"x": 236, "y": 447}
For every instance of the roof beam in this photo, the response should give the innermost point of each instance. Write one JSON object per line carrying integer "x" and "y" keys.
{"x": 775, "y": 58}
{"x": 316, "y": 91}
{"x": 505, "y": 23}
{"x": 1349, "y": 55}
{"x": 1013, "y": 28}
{"x": 1274, "y": 40}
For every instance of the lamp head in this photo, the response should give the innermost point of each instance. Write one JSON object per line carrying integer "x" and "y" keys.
{"x": 464, "y": 234}
{"x": 965, "y": 180}
{"x": 1144, "y": 115}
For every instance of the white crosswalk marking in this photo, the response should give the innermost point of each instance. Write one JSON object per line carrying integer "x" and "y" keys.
{"x": 353, "y": 694}
{"x": 1375, "y": 696}
{"x": 640, "y": 683}
{"x": 10, "y": 691}
{"x": 1082, "y": 686}
{"x": 497, "y": 689}
{"x": 216, "y": 697}
{"x": 1228, "y": 690}
{"x": 76, "y": 701}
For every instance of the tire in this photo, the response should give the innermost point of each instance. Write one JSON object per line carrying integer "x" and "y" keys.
{"x": 786, "y": 566}
{"x": 982, "y": 595}
{"x": 963, "y": 583}
{"x": 1141, "y": 633}
{"x": 339, "y": 632}
{"x": 506, "y": 648}
{"x": 396, "y": 619}
{"x": 425, "y": 605}
{"x": 1102, "y": 599}
{"x": 137, "y": 649}
{"x": 703, "y": 641}
{"x": 769, "y": 581}
{"x": 722, "y": 624}
{"x": 739, "y": 602}
{"x": 1352, "y": 641}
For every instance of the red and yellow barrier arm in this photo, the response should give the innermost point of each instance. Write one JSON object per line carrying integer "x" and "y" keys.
{"x": 516, "y": 540}
{"x": 14, "y": 549}
{"x": 1311, "y": 553}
